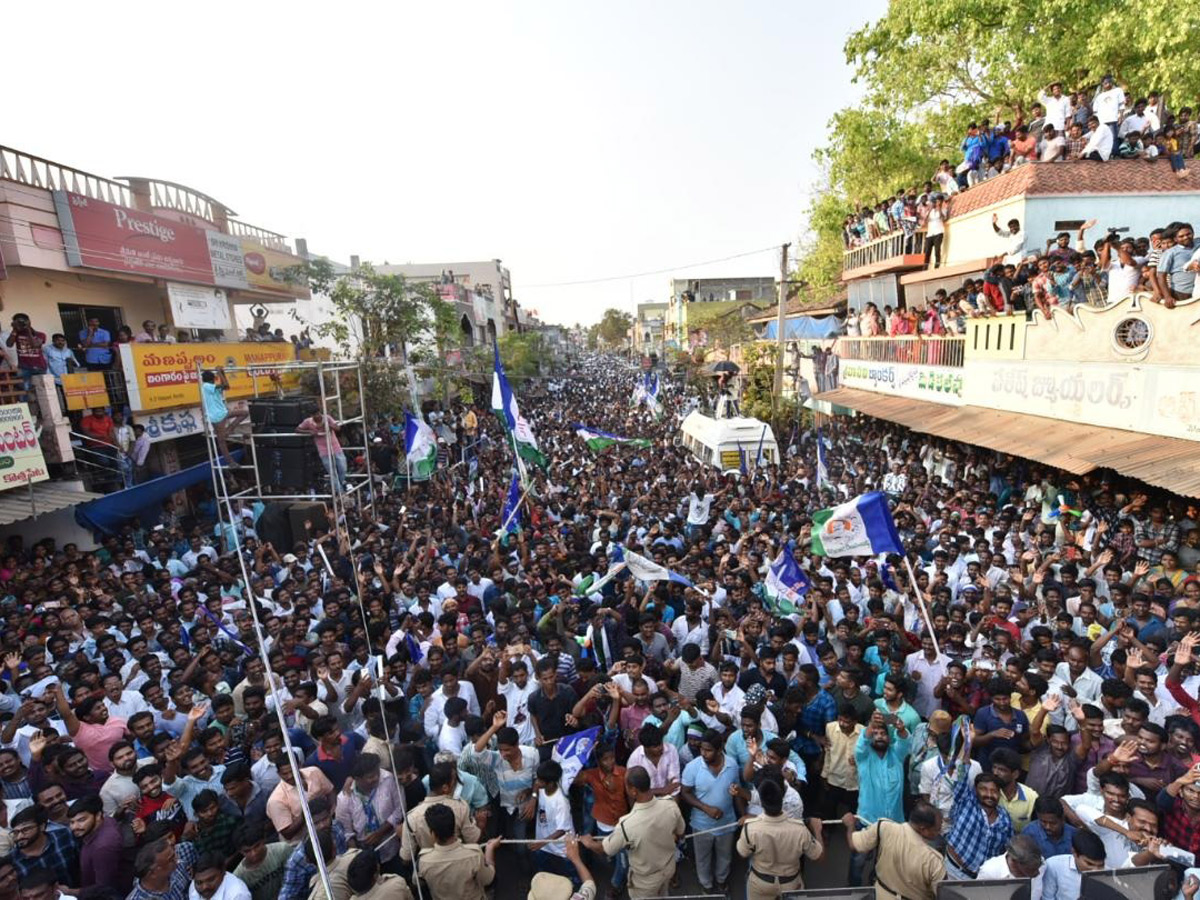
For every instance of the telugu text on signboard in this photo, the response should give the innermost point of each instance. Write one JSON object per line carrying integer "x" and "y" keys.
{"x": 21, "y": 460}
{"x": 165, "y": 376}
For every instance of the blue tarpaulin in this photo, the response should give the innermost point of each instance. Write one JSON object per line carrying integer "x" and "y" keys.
{"x": 109, "y": 515}
{"x": 807, "y": 328}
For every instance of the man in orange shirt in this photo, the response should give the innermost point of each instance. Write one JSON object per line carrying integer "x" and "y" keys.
{"x": 610, "y": 802}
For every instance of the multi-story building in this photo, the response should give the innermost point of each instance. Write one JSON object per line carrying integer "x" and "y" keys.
{"x": 648, "y": 328}
{"x": 697, "y": 301}
{"x": 81, "y": 252}
{"x": 1110, "y": 386}
{"x": 485, "y": 286}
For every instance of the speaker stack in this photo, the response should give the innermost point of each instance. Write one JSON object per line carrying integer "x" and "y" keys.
{"x": 287, "y": 463}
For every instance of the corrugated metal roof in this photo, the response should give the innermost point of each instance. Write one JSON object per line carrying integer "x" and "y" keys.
{"x": 1165, "y": 462}
{"x": 47, "y": 496}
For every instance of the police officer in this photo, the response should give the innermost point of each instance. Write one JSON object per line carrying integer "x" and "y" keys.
{"x": 906, "y": 865}
{"x": 454, "y": 870}
{"x": 649, "y": 832}
{"x": 774, "y": 844}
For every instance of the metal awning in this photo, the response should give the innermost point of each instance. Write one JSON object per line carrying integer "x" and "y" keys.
{"x": 1164, "y": 462}
{"x": 43, "y": 497}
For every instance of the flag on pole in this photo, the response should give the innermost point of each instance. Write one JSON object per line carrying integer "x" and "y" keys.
{"x": 572, "y": 752}
{"x": 510, "y": 519}
{"x": 644, "y": 569}
{"x": 742, "y": 461}
{"x": 504, "y": 405}
{"x": 860, "y": 527}
{"x": 822, "y": 466}
{"x": 786, "y": 585}
{"x": 420, "y": 447}
{"x": 758, "y": 457}
{"x": 645, "y": 390}
{"x": 598, "y": 441}
{"x": 888, "y": 578}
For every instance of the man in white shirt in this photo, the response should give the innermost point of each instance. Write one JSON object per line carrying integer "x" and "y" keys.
{"x": 1058, "y": 107}
{"x": 516, "y": 688}
{"x": 895, "y": 482}
{"x": 1137, "y": 120}
{"x": 121, "y": 703}
{"x": 1108, "y": 105}
{"x": 1099, "y": 146}
{"x": 451, "y": 687}
{"x": 1022, "y": 860}
{"x": 1013, "y": 238}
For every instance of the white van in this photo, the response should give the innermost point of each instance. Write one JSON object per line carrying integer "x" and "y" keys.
{"x": 725, "y": 443}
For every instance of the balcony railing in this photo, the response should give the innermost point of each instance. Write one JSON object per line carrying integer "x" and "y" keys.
{"x": 25, "y": 168}
{"x": 913, "y": 349}
{"x": 892, "y": 246}
{"x": 271, "y": 239}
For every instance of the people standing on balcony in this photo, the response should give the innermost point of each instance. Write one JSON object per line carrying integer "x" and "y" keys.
{"x": 148, "y": 334}
{"x": 1108, "y": 105}
{"x": 60, "y": 359}
{"x": 96, "y": 344}
{"x": 28, "y": 345}
{"x": 1057, "y": 105}
{"x": 935, "y": 230}
{"x": 164, "y": 334}
{"x": 139, "y": 453}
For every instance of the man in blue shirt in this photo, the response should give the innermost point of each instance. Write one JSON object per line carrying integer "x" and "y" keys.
{"x": 706, "y": 783}
{"x": 1049, "y": 829}
{"x": 1063, "y": 872}
{"x": 1172, "y": 278}
{"x": 96, "y": 344}
{"x": 999, "y": 725}
{"x": 880, "y": 762}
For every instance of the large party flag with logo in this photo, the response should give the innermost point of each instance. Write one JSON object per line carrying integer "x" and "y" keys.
{"x": 644, "y": 569}
{"x": 822, "y": 467}
{"x": 598, "y": 441}
{"x": 785, "y": 584}
{"x": 572, "y": 752}
{"x": 420, "y": 447}
{"x": 504, "y": 405}
{"x": 860, "y": 527}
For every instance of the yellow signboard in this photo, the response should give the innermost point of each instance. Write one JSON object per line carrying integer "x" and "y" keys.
{"x": 21, "y": 460}
{"x": 85, "y": 390}
{"x": 273, "y": 270}
{"x": 163, "y": 376}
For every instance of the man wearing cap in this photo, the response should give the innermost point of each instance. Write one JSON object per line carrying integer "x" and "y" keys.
{"x": 649, "y": 832}
{"x": 774, "y": 844}
{"x": 548, "y": 886}
{"x": 906, "y": 866}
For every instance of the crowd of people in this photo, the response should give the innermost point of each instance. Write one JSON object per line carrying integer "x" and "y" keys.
{"x": 1100, "y": 125}
{"x": 1025, "y": 709}
{"x": 1068, "y": 271}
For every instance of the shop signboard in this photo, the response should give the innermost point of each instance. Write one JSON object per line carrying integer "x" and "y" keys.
{"x": 21, "y": 460}
{"x": 166, "y": 376}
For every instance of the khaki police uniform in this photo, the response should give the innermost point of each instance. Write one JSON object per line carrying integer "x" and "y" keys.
{"x": 649, "y": 832}
{"x": 416, "y": 831}
{"x": 774, "y": 845}
{"x": 456, "y": 871}
{"x": 906, "y": 867}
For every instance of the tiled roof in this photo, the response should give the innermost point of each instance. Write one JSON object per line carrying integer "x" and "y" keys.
{"x": 1118, "y": 176}
{"x": 805, "y": 302}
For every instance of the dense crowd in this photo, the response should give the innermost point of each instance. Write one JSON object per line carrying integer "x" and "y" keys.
{"x": 1026, "y": 709}
{"x": 1069, "y": 271}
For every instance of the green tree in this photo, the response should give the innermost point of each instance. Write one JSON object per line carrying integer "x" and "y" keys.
{"x": 614, "y": 327}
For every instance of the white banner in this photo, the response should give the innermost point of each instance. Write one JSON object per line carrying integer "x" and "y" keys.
{"x": 193, "y": 306}
{"x": 167, "y": 426}
{"x": 936, "y": 384}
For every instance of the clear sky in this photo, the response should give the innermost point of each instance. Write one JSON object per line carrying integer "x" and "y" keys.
{"x": 573, "y": 141}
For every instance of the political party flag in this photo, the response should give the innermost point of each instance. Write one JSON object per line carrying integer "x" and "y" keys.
{"x": 786, "y": 585}
{"x": 572, "y": 752}
{"x": 504, "y": 405}
{"x": 822, "y": 467}
{"x": 645, "y": 390}
{"x": 742, "y": 461}
{"x": 598, "y": 441}
{"x": 420, "y": 448}
{"x": 859, "y": 527}
{"x": 510, "y": 519}
{"x": 644, "y": 569}
{"x": 758, "y": 457}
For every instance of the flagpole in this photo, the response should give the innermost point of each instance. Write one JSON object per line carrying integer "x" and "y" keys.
{"x": 921, "y": 604}
{"x": 504, "y": 528}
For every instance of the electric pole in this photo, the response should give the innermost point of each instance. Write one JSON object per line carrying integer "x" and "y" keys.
{"x": 779, "y": 318}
